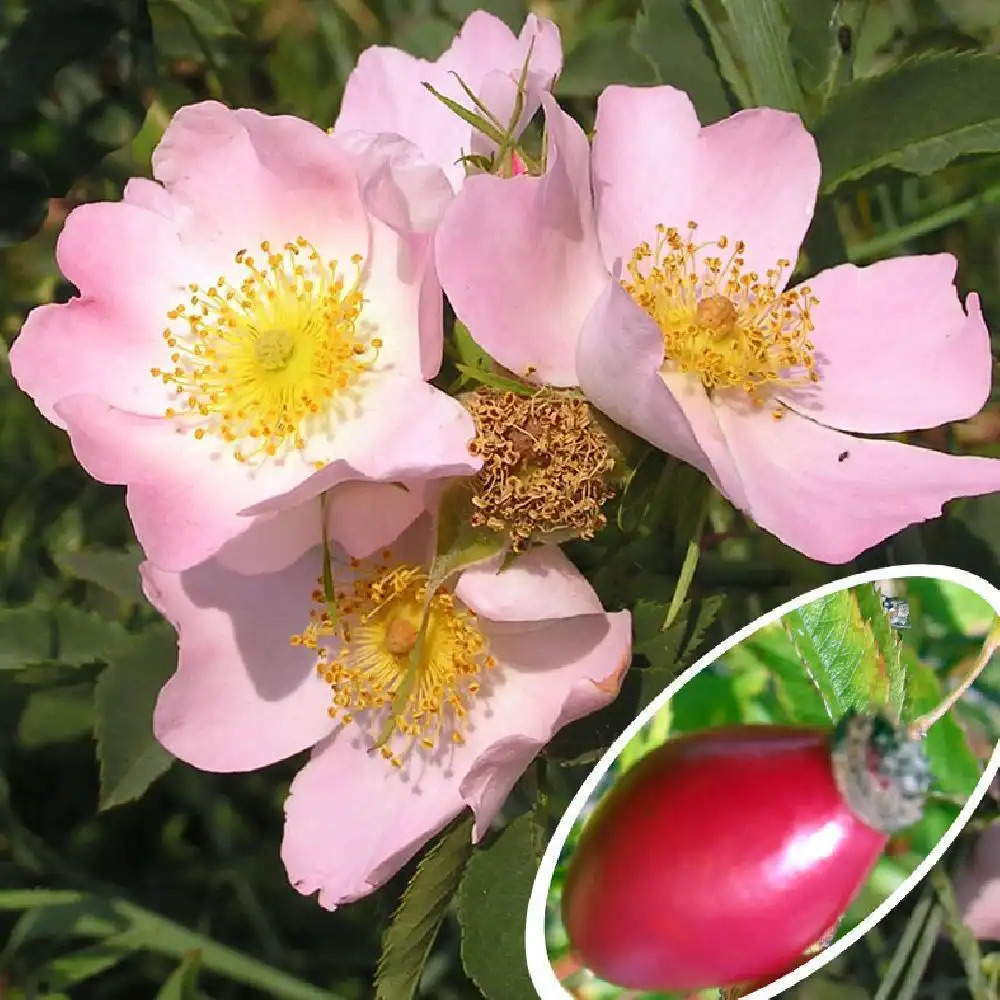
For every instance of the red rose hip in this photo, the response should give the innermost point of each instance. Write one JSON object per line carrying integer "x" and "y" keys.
{"x": 723, "y": 855}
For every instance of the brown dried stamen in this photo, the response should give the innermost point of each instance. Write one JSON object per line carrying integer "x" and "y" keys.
{"x": 545, "y": 464}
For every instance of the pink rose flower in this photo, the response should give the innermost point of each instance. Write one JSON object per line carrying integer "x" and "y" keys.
{"x": 688, "y": 336}
{"x": 510, "y": 657}
{"x": 252, "y": 330}
{"x": 385, "y": 91}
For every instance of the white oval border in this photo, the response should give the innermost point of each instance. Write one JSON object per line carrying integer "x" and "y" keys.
{"x": 539, "y": 967}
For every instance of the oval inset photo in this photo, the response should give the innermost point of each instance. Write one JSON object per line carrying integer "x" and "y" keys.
{"x": 778, "y": 799}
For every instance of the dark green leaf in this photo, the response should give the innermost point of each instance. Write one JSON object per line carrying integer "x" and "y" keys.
{"x": 602, "y": 57}
{"x": 67, "y": 634}
{"x": 813, "y": 27}
{"x": 131, "y": 759}
{"x": 407, "y": 941}
{"x": 24, "y": 196}
{"x": 761, "y": 31}
{"x": 210, "y": 18}
{"x": 917, "y": 116}
{"x": 55, "y": 715}
{"x": 116, "y": 571}
{"x": 492, "y": 903}
{"x": 666, "y": 33}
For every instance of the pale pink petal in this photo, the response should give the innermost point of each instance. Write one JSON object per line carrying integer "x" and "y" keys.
{"x": 895, "y": 350}
{"x": 85, "y": 346}
{"x": 518, "y": 258}
{"x": 751, "y": 177}
{"x": 148, "y": 194}
{"x": 352, "y": 820}
{"x": 362, "y": 517}
{"x": 186, "y": 496}
{"x": 398, "y": 185}
{"x": 541, "y": 584}
{"x": 242, "y": 697}
{"x": 547, "y": 675}
{"x": 240, "y": 177}
{"x": 385, "y": 92}
{"x": 619, "y": 358}
{"x": 977, "y": 887}
{"x": 830, "y": 495}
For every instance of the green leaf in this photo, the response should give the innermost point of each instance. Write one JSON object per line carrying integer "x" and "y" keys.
{"x": 673, "y": 649}
{"x": 492, "y": 903}
{"x": 795, "y": 689}
{"x": 602, "y": 57}
{"x": 130, "y": 758}
{"x": 210, "y": 18}
{"x": 839, "y": 651}
{"x": 762, "y": 34}
{"x": 666, "y": 33}
{"x": 183, "y": 981}
{"x": 65, "y": 634}
{"x": 953, "y": 764}
{"x": 82, "y": 964}
{"x": 114, "y": 570}
{"x": 918, "y": 117}
{"x": 872, "y": 610}
{"x": 407, "y": 941}
{"x": 24, "y": 202}
{"x": 56, "y": 715}
{"x": 28, "y": 636}
{"x": 816, "y": 52}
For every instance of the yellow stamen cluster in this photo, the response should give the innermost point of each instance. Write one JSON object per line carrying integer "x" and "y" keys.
{"x": 366, "y": 655}
{"x": 263, "y": 360}
{"x": 726, "y": 325}
{"x": 545, "y": 464}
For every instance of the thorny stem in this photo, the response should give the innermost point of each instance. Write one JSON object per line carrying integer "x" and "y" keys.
{"x": 919, "y": 727}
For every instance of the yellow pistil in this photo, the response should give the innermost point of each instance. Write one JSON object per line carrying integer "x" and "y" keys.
{"x": 545, "y": 464}
{"x": 721, "y": 323}
{"x": 366, "y": 655}
{"x": 263, "y": 360}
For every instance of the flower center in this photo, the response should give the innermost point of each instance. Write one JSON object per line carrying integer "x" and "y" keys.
{"x": 366, "y": 656}
{"x": 545, "y": 464}
{"x": 264, "y": 361}
{"x": 719, "y": 322}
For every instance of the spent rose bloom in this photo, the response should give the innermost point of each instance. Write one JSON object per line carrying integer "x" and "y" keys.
{"x": 650, "y": 269}
{"x": 385, "y": 92}
{"x": 510, "y": 656}
{"x": 253, "y": 328}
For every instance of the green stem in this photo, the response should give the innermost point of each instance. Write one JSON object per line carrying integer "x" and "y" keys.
{"x": 688, "y": 567}
{"x": 946, "y": 216}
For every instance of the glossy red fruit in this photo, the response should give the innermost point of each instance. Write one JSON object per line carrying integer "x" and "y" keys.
{"x": 723, "y": 855}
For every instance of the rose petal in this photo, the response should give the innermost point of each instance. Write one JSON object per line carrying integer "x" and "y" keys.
{"x": 831, "y": 496}
{"x": 753, "y": 176}
{"x": 546, "y": 676}
{"x": 240, "y": 177}
{"x": 618, "y": 359}
{"x": 895, "y": 350}
{"x": 242, "y": 697}
{"x": 186, "y": 496}
{"x": 385, "y": 92}
{"x": 550, "y": 675}
{"x": 362, "y": 517}
{"x": 541, "y": 584}
{"x": 518, "y": 258}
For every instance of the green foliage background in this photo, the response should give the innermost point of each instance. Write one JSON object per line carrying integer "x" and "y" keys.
{"x": 180, "y": 893}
